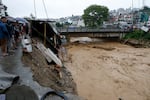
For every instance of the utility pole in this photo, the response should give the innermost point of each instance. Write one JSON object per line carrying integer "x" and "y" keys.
{"x": 35, "y": 9}
{"x": 132, "y": 5}
{"x": 143, "y": 3}
{"x": 132, "y": 13}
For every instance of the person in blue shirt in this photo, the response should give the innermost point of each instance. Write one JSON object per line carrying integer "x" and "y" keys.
{"x": 4, "y": 35}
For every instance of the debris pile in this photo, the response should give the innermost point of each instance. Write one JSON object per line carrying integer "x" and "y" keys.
{"x": 47, "y": 74}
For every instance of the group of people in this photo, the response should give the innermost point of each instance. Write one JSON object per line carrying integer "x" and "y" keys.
{"x": 10, "y": 31}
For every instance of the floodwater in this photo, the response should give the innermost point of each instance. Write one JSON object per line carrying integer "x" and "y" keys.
{"x": 110, "y": 71}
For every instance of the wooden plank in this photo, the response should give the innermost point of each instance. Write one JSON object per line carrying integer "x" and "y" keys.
{"x": 49, "y": 55}
{"x": 44, "y": 52}
{"x": 54, "y": 58}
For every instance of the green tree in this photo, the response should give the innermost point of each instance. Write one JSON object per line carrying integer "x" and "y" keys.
{"x": 94, "y": 15}
{"x": 67, "y": 23}
{"x": 146, "y": 10}
{"x": 59, "y": 24}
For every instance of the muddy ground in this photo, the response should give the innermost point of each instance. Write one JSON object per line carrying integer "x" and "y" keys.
{"x": 45, "y": 73}
{"x": 110, "y": 71}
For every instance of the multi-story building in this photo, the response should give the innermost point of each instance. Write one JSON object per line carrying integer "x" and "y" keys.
{"x": 77, "y": 21}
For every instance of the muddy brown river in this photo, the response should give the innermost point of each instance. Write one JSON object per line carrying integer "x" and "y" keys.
{"x": 110, "y": 71}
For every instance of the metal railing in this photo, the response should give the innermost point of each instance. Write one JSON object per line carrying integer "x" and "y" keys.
{"x": 84, "y": 30}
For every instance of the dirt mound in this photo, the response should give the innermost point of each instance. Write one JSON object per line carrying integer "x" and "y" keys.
{"x": 46, "y": 75}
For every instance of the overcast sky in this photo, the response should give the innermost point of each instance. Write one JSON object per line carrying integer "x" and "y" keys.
{"x": 63, "y": 8}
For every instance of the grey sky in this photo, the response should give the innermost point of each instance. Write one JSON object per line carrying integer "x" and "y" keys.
{"x": 63, "y": 8}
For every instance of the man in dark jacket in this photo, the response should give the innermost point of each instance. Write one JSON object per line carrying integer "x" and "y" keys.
{"x": 4, "y": 35}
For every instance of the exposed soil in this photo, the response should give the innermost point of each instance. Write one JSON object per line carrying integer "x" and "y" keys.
{"x": 110, "y": 71}
{"x": 46, "y": 75}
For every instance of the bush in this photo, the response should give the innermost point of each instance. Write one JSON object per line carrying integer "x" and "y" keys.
{"x": 138, "y": 34}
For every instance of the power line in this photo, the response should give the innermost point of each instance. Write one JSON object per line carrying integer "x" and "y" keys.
{"x": 139, "y": 4}
{"x": 45, "y": 9}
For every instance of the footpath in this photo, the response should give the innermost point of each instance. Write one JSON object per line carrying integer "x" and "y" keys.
{"x": 12, "y": 67}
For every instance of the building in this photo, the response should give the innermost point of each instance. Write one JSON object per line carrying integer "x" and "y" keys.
{"x": 3, "y": 9}
{"x": 77, "y": 21}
